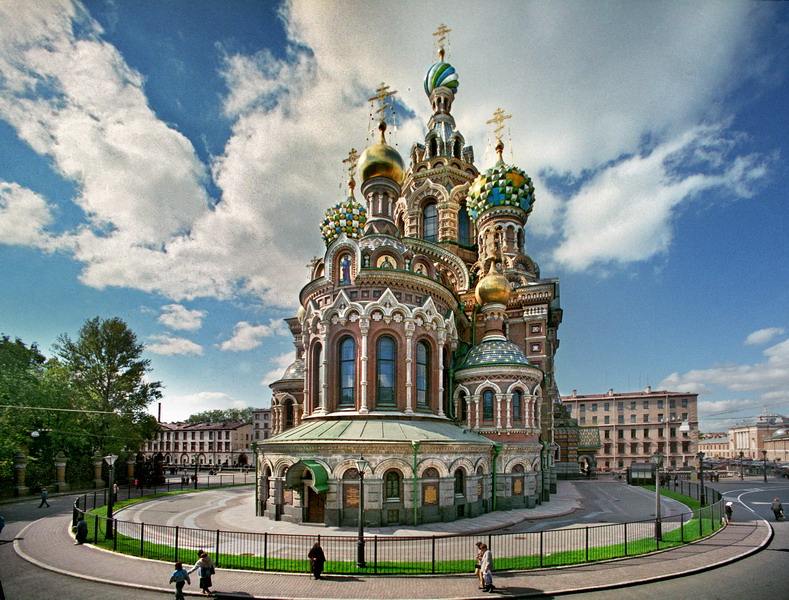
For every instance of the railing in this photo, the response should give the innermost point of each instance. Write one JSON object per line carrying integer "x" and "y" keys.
{"x": 405, "y": 555}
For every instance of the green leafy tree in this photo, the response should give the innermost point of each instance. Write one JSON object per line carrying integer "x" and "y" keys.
{"x": 228, "y": 415}
{"x": 106, "y": 372}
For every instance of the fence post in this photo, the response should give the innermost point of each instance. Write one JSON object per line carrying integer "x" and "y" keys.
{"x": 115, "y": 538}
{"x": 265, "y": 550}
{"x": 375, "y": 554}
{"x": 586, "y": 542}
{"x": 625, "y": 524}
{"x": 216, "y": 553}
{"x": 701, "y": 523}
{"x": 176, "y": 543}
{"x": 142, "y": 538}
{"x": 682, "y": 528}
{"x": 541, "y": 546}
{"x": 95, "y": 529}
{"x": 433, "y": 553}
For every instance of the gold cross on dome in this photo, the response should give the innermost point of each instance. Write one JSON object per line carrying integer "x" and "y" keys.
{"x": 441, "y": 34}
{"x": 311, "y": 267}
{"x": 352, "y": 159}
{"x": 499, "y": 116}
{"x": 383, "y": 95}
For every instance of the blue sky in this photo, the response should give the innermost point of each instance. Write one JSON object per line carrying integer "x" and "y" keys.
{"x": 169, "y": 163}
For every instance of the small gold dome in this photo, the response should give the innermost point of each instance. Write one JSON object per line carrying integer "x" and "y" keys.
{"x": 494, "y": 287}
{"x": 381, "y": 160}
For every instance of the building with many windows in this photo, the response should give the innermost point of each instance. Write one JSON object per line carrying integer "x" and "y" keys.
{"x": 425, "y": 342}
{"x": 210, "y": 444}
{"x": 261, "y": 424}
{"x": 749, "y": 436}
{"x": 634, "y": 426}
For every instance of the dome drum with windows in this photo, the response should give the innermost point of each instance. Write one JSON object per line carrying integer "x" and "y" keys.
{"x": 345, "y": 217}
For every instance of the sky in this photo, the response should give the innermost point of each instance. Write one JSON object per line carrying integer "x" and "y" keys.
{"x": 169, "y": 163}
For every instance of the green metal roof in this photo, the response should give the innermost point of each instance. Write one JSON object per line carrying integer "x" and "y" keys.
{"x": 320, "y": 477}
{"x": 378, "y": 430}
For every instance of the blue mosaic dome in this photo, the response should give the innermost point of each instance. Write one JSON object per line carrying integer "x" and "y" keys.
{"x": 494, "y": 352}
{"x": 502, "y": 185}
{"x": 294, "y": 371}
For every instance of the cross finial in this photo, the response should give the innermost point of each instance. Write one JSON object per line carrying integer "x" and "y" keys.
{"x": 352, "y": 159}
{"x": 441, "y": 34}
{"x": 499, "y": 116}
{"x": 383, "y": 95}
{"x": 315, "y": 260}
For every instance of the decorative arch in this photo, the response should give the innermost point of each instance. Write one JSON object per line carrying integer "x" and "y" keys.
{"x": 434, "y": 463}
{"x": 462, "y": 463}
{"x": 393, "y": 463}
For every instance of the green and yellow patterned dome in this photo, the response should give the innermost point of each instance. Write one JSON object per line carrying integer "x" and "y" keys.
{"x": 346, "y": 217}
{"x": 501, "y": 185}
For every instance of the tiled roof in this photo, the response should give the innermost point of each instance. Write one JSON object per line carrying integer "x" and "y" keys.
{"x": 494, "y": 352}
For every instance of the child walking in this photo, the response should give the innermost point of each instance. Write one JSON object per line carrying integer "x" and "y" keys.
{"x": 180, "y": 577}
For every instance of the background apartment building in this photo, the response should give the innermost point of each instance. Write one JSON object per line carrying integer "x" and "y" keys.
{"x": 210, "y": 444}
{"x": 634, "y": 426}
{"x": 261, "y": 424}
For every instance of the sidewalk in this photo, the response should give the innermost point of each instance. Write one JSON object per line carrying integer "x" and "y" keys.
{"x": 48, "y": 544}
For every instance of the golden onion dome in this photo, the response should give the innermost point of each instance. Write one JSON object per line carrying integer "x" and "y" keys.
{"x": 494, "y": 287}
{"x": 381, "y": 160}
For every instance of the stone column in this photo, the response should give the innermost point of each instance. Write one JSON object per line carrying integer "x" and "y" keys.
{"x": 60, "y": 472}
{"x": 364, "y": 329}
{"x": 20, "y": 464}
{"x": 441, "y": 341}
{"x": 98, "y": 482}
{"x": 409, "y": 350}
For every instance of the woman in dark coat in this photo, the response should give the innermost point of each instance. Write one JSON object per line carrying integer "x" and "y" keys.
{"x": 317, "y": 558}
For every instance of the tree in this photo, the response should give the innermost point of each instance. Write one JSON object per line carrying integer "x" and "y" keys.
{"x": 228, "y": 415}
{"x": 106, "y": 371}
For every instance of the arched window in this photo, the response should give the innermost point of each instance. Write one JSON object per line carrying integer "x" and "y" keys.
{"x": 487, "y": 405}
{"x": 456, "y": 149}
{"x": 347, "y": 366}
{"x": 386, "y": 356}
{"x": 464, "y": 230}
{"x": 392, "y": 485}
{"x": 315, "y": 377}
{"x": 433, "y": 147}
{"x": 430, "y": 473}
{"x": 422, "y": 374}
{"x": 430, "y": 222}
{"x": 288, "y": 409}
{"x": 517, "y": 407}
{"x": 462, "y": 408}
{"x": 460, "y": 480}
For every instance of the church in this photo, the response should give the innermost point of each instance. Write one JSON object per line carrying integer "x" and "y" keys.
{"x": 425, "y": 343}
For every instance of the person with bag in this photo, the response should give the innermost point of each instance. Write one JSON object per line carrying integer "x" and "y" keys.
{"x": 317, "y": 558}
{"x": 486, "y": 566}
{"x": 206, "y": 569}
{"x": 180, "y": 577}
{"x": 778, "y": 509}
{"x": 728, "y": 511}
{"x": 478, "y": 565}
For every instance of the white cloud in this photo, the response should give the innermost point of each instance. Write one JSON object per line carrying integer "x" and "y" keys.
{"x": 282, "y": 362}
{"x": 24, "y": 217}
{"x": 764, "y": 336}
{"x": 167, "y": 345}
{"x": 577, "y": 90}
{"x": 247, "y": 336}
{"x": 176, "y": 316}
{"x": 770, "y": 375}
{"x": 180, "y": 408}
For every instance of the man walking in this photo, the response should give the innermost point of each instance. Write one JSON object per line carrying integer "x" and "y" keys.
{"x": 44, "y": 498}
{"x": 778, "y": 509}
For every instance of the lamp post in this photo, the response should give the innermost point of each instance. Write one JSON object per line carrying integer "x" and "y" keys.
{"x": 700, "y": 456}
{"x": 110, "y": 460}
{"x": 742, "y": 475}
{"x": 657, "y": 459}
{"x": 764, "y": 461}
{"x": 361, "y": 465}
{"x": 196, "y": 472}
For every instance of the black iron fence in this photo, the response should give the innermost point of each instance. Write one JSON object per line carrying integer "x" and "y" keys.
{"x": 407, "y": 555}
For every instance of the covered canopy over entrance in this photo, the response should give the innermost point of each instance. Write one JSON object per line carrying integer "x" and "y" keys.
{"x": 320, "y": 478}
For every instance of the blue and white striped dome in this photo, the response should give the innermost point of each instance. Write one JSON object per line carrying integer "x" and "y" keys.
{"x": 441, "y": 74}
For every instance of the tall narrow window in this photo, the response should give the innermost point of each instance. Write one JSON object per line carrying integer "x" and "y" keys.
{"x": 315, "y": 377}
{"x": 460, "y": 480}
{"x": 392, "y": 480}
{"x": 422, "y": 374}
{"x": 430, "y": 222}
{"x": 385, "y": 369}
{"x": 347, "y": 372}
{"x": 288, "y": 409}
{"x": 464, "y": 234}
{"x": 517, "y": 407}
{"x": 487, "y": 405}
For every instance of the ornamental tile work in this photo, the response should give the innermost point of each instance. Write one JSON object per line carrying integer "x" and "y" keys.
{"x": 494, "y": 352}
{"x": 345, "y": 217}
{"x": 502, "y": 185}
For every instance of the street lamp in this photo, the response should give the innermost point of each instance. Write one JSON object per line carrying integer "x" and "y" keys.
{"x": 361, "y": 465}
{"x": 196, "y": 465}
{"x": 110, "y": 460}
{"x": 742, "y": 475}
{"x": 657, "y": 459}
{"x": 700, "y": 456}
{"x": 764, "y": 457}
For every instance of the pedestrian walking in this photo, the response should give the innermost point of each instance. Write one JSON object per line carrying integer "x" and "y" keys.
{"x": 728, "y": 511}
{"x": 180, "y": 578}
{"x": 776, "y": 507}
{"x": 478, "y": 565}
{"x": 82, "y": 531}
{"x": 486, "y": 564}
{"x": 205, "y": 568}
{"x": 44, "y": 498}
{"x": 317, "y": 558}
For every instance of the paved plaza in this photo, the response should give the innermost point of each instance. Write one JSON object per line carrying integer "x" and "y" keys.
{"x": 48, "y": 544}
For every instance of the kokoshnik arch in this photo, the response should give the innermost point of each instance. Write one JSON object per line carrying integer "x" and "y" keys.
{"x": 425, "y": 342}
